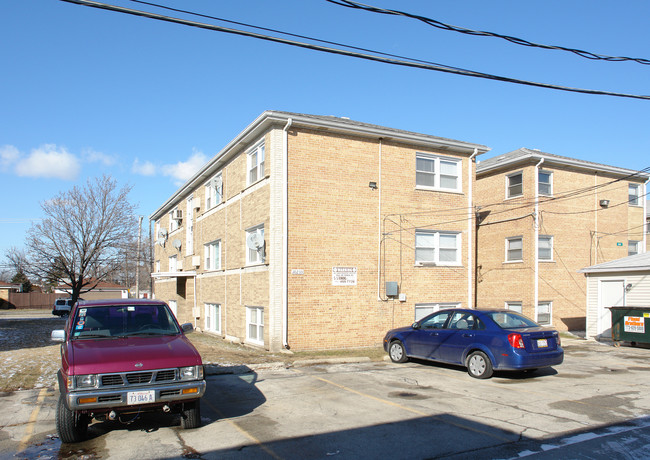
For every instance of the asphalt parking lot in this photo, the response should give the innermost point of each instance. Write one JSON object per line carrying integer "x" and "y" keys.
{"x": 595, "y": 405}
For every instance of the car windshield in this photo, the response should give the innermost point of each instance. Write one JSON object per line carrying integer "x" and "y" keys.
{"x": 511, "y": 320}
{"x": 122, "y": 321}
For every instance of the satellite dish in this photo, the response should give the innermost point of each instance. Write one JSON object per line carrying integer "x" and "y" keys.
{"x": 255, "y": 241}
{"x": 162, "y": 233}
{"x": 217, "y": 182}
{"x": 177, "y": 244}
{"x": 161, "y": 242}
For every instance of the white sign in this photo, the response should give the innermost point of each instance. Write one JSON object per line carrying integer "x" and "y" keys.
{"x": 344, "y": 276}
{"x": 634, "y": 324}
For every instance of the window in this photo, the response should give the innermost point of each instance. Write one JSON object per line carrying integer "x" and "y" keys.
{"x": 545, "y": 183}
{"x": 173, "y": 221}
{"x": 212, "y": 259}
{"x": 173, "y": 306}
{"x": 514, "y": 185}
{"x": 465, "y": 321}
{"x": 157, "y": 269}
{"x": 545, "y": 247}
{"x": 514, "y": 306}
{"x": 173, "y": 264}
{"x": 255, "y": 245}
{"x": 544, "y": 313}
{"x": 189, "y": 232}
{"x": 255, "y": 325}
{"x": 425, "y": 309}
{"x": 256, "y": 164}
{"x": 514, "y": 249}
{"x": 437, "y": 248}
{"x": 633, "y": 247}
{"x": 435, "y": 321}
{"x": 634, "y": 192}
{"x": 213, "y": 192}
{"x": 437, "y": 173}
{"x": 213, "y": 317}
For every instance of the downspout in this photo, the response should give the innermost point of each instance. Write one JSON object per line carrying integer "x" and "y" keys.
{"x": 285, "y": 236}
{"x": 645, "y": 213}
{"x": 536, "y": 299}
{"x": 379, "y": 230}
{"x": 470, "y": 223}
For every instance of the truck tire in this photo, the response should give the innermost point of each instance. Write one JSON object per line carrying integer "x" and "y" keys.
{"x": 71, "y": 426}
{"x": 191, "y": 415}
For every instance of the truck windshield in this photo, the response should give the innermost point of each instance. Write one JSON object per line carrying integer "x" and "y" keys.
{"x": 123, "y": 320}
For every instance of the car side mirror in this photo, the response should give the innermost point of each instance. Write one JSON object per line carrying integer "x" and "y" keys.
{"x": 187, "y": 327}
{"x": 58, "y": 335}
{"x": 415, "y": 325}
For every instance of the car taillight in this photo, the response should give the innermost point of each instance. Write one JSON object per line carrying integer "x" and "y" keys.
{"x": 515, "y": 340}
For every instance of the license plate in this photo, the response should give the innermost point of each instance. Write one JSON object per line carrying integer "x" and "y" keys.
{"x": 141, "y": 397}
{"x": 542, "y": 343}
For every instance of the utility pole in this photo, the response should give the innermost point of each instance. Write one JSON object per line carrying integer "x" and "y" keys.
{"x": 137, "y": 266}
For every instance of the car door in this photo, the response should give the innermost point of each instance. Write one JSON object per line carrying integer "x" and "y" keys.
{"x": 424, "y": 341}
{"x": 460, "y": 334}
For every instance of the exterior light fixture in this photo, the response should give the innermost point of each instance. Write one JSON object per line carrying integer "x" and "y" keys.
{"x": 373, "y": 185}
{"x": 604, "y": 203}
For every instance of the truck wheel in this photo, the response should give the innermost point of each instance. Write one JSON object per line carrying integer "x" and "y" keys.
{"x": 71, "y": 426}
{"x": 191, "y": 415}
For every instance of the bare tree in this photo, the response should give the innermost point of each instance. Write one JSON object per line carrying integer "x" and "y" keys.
{"x": 80, "y": 241}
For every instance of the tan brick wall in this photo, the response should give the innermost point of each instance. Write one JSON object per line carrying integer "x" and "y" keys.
{"x": 335, "y": 221}
{"x": 584, "y": 233}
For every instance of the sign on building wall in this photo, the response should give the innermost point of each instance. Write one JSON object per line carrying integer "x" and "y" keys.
{"x": 344, "y": 276}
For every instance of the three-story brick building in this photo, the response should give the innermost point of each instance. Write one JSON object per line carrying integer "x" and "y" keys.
{"x": 542, "y": 218}
{"x": 310, "y": 232}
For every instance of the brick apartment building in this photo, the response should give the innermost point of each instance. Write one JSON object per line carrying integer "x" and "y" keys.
{"x": 544, "y": 217}
{"x": 316, "y": 232}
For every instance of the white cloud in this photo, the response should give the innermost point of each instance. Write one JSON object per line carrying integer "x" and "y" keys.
{"x": 92, "y": 156}
{"x": 9, "y": 155}
{"x": 184, "y": 170}
{"x": 49, "y": 161}
{"x": 146, "y": 168}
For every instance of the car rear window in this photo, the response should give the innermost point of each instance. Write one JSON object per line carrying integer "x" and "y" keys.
{"x": 511, "y": 320}
{"x": 123, "y": 320}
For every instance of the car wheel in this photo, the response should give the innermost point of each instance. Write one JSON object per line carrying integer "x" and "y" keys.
{"x": 397, "y": 352}
{"x": 191, "y": 415}
{"x": 479, "y": 365}
{"x": 71, "y": 426}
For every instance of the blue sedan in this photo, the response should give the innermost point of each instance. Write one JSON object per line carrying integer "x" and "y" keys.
{"x": 481, "y": 340}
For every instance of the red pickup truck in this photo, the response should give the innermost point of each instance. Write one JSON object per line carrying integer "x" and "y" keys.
{"x": 122, "y": 357}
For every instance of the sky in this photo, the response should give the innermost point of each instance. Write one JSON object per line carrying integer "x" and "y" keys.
{"x": 86, "y": 92}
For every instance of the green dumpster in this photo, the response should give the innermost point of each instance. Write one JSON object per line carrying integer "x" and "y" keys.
{"x": 631, "y": 324}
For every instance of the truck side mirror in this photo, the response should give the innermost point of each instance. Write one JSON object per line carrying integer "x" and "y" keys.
{"x": 58, "y": 335}
{"x": 187, "y": 327}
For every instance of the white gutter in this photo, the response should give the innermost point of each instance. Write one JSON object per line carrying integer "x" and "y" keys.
{"x": 470, "y": 230}
{"x": 379, "y": 230}
{"x": 536, "y": 300}
{"x": 285, "y": 235}
{"x": 645, "y": 214}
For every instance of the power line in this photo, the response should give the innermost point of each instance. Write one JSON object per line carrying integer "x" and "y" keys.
{"x": 463, "y": 30}
{"x": 405, "y": 62}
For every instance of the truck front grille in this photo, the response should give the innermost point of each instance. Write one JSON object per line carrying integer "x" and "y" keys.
{"x": 126, "y": 379}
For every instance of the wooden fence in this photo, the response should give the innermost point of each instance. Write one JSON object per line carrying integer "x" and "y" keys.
{"x": 31, "y": 300}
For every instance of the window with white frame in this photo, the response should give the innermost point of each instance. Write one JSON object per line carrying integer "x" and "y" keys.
{"x": 173, "y": 221}
{"x": 545, "y": 183}
{"x": 213, "y": 192}
{"x": 256, "y": 158}
{"x": 514, "y": 185}
{"x": 173, "y": 264}
{"x": 213, "y": 317}
{"x": 514, "y": 249}
{"x": 437, "y": 248}
{"x": 189, "y": 227}
{"x": 255, "y": 325}
{"x": 544, "y": 310}
{"x": 424, "y": 309}
{"x": 515, "y": 306}
{"x": 255, "y": 245}
{"x": 634, "y": 192}
{"x": 212, "y": 259}
{"x": 633, "y": 247}
{"x": 437, "y": 173}
{"x": 545, "y": 247}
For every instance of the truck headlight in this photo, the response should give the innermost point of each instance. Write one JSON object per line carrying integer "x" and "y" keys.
{"x": 191, "y": 373}
{"x": 85, "y": 381}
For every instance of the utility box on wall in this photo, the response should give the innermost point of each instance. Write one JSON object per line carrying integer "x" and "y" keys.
{"x": 391, "y": 288}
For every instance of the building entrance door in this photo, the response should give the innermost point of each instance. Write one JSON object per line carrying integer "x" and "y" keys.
{"x": 612, "y": 294}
